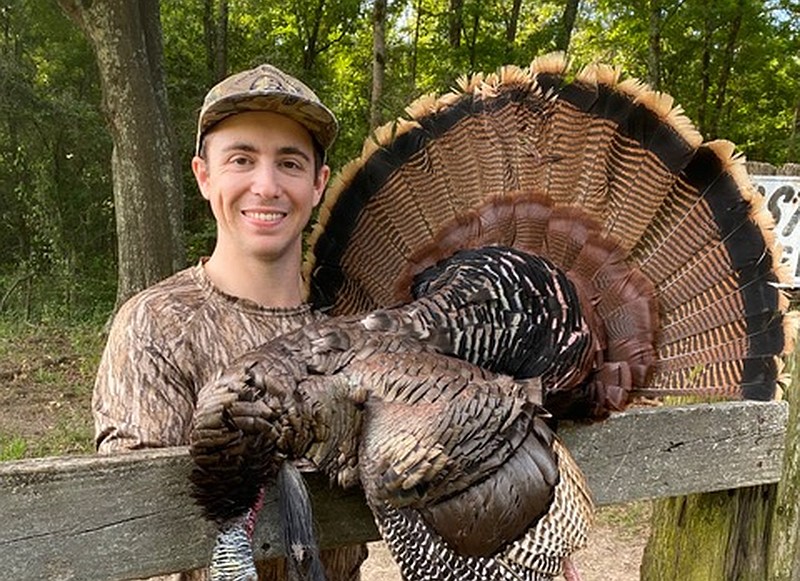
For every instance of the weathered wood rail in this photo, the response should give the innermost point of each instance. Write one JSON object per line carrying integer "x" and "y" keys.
{"x": 105, "y": 518}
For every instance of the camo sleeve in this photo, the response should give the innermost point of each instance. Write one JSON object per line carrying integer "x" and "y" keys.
{"x": 141, "y": 397}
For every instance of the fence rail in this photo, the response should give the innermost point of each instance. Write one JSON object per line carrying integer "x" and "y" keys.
{"x": 97, "y": 518}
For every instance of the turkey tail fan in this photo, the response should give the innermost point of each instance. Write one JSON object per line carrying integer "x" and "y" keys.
{"x": 663, "y": 236}
{"x": 578, "y": 143}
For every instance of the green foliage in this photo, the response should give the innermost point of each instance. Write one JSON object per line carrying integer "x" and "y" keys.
{"x": 733, "y": 65}
{"x": 55, "y": 182}
{"x": 753, "y": 99}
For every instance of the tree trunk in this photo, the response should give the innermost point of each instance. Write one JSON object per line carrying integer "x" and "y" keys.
{"x": 654, "y": 45}
{"x": 794, "y": 137}
{"x": 512, "y": 27}
{"x": 455, "y": 22}
{"x": 215, "y": 35}
{"x": 126, "y": 38}
{"x": 209, "y": 38}
{"x": 567, "y": 25}
{"x": 312, "y": 33}
{"x": 473, "y": 38}
{"x": 378, "y": 61}
{"x": 415, "y": 45}
{"x": 728, "y": 57}
{"x": 705, "y": 70}
{"x": 221, "y": 52}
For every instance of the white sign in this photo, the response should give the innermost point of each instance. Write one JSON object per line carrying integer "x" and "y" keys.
{"x": 783, "y": 201}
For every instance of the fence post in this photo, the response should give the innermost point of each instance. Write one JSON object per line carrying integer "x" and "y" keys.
{"x": 784, "y": 539}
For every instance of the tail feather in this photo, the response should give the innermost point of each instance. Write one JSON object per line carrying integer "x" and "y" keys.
{"x": 707, "y": 273}
{"x": 621, "y": 148}
{"x": 707, "y": 313}
{"x": 751, "y": 379}
{"x": 665, "y": 239}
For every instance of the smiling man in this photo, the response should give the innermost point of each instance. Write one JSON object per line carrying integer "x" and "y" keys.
{"x": 260, "y": 162}
{"x": 258, "y": 173}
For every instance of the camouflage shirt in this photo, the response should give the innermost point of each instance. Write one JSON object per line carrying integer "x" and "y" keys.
{"x": 164, "y": 345}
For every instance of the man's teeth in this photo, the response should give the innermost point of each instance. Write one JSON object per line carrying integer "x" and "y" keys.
{"x": 265, "y": 216}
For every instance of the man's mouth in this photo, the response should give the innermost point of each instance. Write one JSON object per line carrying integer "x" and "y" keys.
{"x": 264, "y": 216}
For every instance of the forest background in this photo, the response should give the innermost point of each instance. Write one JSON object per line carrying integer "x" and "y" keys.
{"x": 734, "y": 65}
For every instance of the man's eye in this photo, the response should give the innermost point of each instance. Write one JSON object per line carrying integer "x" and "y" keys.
{"x": 291, "y": 164}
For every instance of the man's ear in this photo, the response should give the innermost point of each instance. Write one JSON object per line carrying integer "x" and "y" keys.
{"x": 200, "y": 170}
{"x": 323, "y": 175}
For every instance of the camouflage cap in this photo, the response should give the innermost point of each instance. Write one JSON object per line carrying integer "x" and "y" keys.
{"x": 266, "y": 88}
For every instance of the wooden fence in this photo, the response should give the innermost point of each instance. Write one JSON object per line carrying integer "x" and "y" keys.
{"x": 95, "y": 518}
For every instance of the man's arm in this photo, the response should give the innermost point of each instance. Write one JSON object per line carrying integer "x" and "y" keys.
{"x": 141, "y": 398}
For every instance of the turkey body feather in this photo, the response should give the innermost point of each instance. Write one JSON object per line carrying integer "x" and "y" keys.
{"x": 426, "y": 435}
{"x": 534, "y": 245}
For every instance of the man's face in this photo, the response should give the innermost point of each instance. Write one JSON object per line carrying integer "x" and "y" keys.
{"x": 258, "y": 175}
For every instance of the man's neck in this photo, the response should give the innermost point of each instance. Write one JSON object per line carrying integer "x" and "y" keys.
{"x": 271, "y": 284}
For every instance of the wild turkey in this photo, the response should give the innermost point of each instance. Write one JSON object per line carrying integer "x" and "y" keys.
{"x": 527, "y": 246}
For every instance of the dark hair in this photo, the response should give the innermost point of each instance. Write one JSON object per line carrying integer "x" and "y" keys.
{"x": 319, "y": 156}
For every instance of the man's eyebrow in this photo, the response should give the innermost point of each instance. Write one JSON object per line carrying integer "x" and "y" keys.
{"x": 292, "y": 150}
{"x": 250, "y": 148}
{"x": 239, "y": 146}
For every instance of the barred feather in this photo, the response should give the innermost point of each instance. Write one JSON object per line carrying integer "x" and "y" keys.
{"x": 596, "y": 174}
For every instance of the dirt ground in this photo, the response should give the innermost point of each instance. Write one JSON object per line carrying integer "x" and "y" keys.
{"x": 46, "y": 377}
{"x": 615, "y": 550}
{"x": 44, "y": 403}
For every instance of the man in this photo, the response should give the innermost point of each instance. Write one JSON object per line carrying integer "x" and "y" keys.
{"x": 260, "y": 162}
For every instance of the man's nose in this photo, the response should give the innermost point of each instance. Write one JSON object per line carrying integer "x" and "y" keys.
{"x": 265, "y": 181}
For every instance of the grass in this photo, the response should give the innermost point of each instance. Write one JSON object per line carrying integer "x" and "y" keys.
{"x": 47, "y": 372}
{"x": 12, "y": 448}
